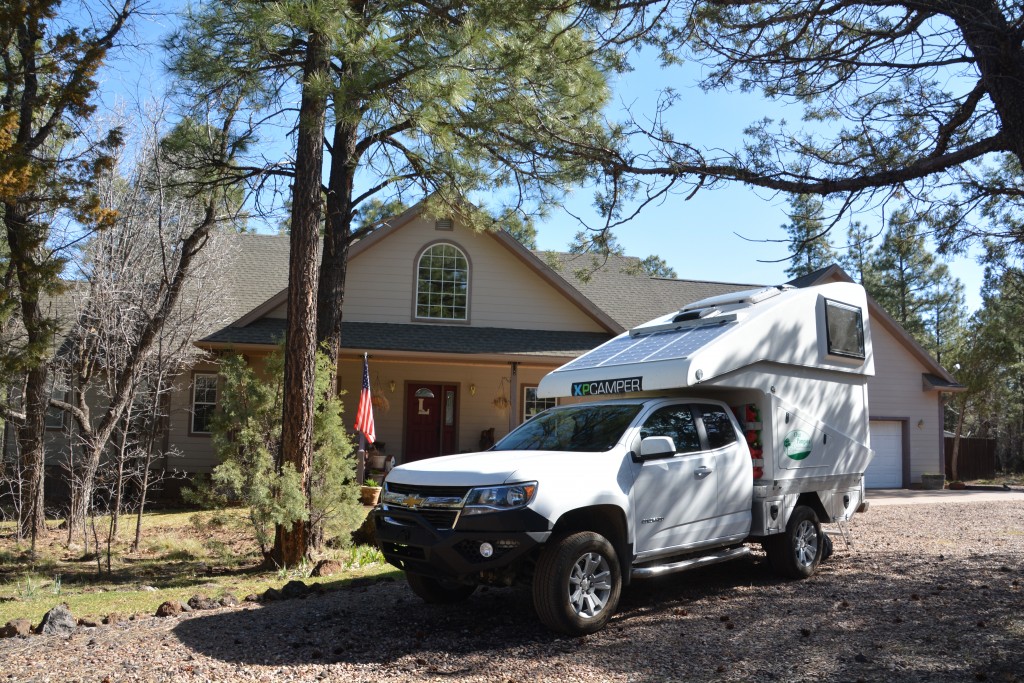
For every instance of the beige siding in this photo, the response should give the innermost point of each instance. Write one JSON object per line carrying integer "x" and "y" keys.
{"x": 197, "y": 454}
{"x": 896, "y": 392}
{"x": 504, "y": 292}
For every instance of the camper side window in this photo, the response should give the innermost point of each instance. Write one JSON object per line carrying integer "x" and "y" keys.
{"x": 844, "y": 325}
{"x": 674, "y": 421}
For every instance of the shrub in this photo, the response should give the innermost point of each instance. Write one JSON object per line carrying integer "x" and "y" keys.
{"x": 247, "y": 437}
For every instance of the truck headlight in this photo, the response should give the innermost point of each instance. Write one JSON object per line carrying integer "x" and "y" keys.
{"x": 498, "y": 498}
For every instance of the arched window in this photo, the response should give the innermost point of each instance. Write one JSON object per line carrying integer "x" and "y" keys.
{"x": 442, "y": 283}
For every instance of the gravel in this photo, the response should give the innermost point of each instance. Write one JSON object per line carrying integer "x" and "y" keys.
{"x": 928, "y": 593}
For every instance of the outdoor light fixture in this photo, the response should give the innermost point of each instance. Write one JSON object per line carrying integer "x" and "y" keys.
{"x": 472, "y": 390}
{"x": 391, "y": 386}
{"x": 424, "y": 392}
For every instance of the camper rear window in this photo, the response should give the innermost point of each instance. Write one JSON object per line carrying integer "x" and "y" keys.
{"x": 845, "y": 327}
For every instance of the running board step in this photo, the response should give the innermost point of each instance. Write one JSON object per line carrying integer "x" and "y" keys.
{"x": 690, "y": 563}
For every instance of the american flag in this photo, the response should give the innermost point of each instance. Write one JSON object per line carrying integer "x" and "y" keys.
{"x": 364, "y": 414}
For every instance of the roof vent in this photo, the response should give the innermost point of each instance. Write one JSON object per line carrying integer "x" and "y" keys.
{"x": 748, "y": 297}
{"x": 695, "y": 314}
{"x": 443, "y": 224}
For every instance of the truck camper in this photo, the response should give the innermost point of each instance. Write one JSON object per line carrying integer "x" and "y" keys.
{"x": 737, "y": 419}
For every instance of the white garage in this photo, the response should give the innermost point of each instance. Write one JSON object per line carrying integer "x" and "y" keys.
{"x": 886, "y": 470}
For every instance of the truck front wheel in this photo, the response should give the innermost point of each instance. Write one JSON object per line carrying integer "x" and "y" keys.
{"x": 577, "y": 583}
{"x": 437, "y": 591}
{"x": 797, "y": 552}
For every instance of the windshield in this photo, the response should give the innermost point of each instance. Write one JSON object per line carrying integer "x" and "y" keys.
{"x": 572, "y": 428}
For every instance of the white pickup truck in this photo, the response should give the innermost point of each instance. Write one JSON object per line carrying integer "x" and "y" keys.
{"x": 737, "y": 419}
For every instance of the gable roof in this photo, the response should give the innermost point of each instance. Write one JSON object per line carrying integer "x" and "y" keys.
{"x": 935, "y": 377}
{"x": 631, "y": 297}
{"x": 528, "y": 258}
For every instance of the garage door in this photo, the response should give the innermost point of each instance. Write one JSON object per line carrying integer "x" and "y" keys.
{"x": 886, "y": 470}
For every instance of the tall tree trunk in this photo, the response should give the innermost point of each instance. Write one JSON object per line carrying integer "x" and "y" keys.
{"x": 84, "y": 483}
{"x": 291, "y": 542}
{"x": 337, "y": 239}
{"x": 33, "y": 454}
{"x": 26, "y": 242}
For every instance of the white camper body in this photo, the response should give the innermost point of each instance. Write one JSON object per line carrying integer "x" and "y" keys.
{"x": 793, "y": 364}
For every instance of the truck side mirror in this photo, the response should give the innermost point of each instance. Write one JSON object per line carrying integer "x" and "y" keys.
{"x": 657, "y": 447}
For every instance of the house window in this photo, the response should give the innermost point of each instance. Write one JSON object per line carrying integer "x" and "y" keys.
{"x": 204, "y": 402}
{"x": 442, "y": 284}
{"x": 533, "y": 405}
{"x": 55, "y": 416}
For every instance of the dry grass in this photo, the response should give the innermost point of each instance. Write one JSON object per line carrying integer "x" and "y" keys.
{"x": 181, "y": 554}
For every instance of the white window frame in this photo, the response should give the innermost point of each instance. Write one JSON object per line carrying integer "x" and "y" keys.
{"x": 538, "y": 404}
{"x": 55, "y": 417}
{"x": 216, "y": 395}
{"x": 426, "y": 253}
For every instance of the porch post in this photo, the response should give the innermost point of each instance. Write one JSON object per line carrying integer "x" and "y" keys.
{"x": 513, "y": 399}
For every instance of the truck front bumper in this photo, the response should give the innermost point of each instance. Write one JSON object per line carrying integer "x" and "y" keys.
{"x": 410, "y": 542}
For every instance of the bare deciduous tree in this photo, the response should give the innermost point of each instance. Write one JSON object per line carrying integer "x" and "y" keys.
{"x": 147, "y": 289}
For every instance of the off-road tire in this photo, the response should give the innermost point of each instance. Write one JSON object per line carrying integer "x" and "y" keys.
{"x": 438, "y": 591}
{"x": 797, "y": 552}
{"x": 577, "y": 583}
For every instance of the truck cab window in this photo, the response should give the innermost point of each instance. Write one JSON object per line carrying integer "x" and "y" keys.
{"x": 676, "y": 422}
{"x": 718, "y": 426}
{"x": 576, "y": 428}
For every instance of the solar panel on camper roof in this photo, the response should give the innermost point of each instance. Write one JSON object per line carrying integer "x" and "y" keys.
{"x": 666, "y": 345}
{"x": 602, "y": 353}
{"x": 683, "y": 345}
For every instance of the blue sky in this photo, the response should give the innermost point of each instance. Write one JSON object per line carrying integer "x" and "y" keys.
{"x": 720, "y": 235}
{"x": 730, "y": 234}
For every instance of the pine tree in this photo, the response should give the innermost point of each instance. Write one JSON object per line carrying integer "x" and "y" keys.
{"x": 914, "y": 287}
{"x": 858, "y": 259}
{"x": 442, "y": 101}
{"x": 906, "y": 274}
{"x": 809, "y": 245}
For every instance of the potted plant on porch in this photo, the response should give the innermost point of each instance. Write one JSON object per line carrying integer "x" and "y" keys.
{"x": 369, "y": 492}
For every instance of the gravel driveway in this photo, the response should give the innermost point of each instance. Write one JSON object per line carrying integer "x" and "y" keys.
{"x": 929, "y": 593}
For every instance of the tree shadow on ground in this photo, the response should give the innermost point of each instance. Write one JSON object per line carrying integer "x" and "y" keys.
{"x": 907, "y": 619}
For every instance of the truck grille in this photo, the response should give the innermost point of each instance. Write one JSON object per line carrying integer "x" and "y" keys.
{"x": 440, "y": 519}
{"x": 456, "y": 491}
{"x": 441, "y": 515}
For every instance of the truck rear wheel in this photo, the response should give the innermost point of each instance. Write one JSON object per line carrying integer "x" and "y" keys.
{"x": 577, "y": 583}
{"x": 438, "y": 591}
{"x": 797, "y": 552}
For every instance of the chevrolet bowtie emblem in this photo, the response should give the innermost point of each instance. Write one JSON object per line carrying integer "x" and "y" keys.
{"x": 413, "y": 501}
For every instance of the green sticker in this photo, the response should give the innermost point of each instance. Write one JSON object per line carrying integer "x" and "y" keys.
{"x": 797, "y": 445}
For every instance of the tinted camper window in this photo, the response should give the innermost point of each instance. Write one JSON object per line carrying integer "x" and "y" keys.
{"x": 845, "y": 327}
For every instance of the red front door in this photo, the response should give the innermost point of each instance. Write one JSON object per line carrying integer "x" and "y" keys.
{"x": 430, "y": 424}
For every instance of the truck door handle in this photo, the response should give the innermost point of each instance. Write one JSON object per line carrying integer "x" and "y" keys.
{"x": 702, "y": 472}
